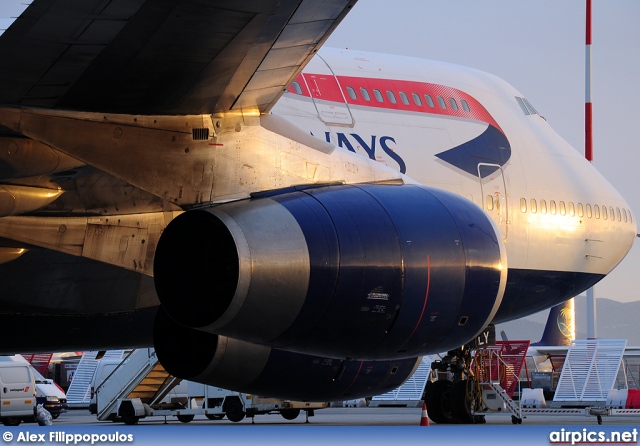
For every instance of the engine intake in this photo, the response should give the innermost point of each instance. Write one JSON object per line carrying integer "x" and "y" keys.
{"x": 367, "y": 271}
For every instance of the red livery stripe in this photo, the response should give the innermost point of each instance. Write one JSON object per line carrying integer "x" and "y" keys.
{"x": 324, "y": 87}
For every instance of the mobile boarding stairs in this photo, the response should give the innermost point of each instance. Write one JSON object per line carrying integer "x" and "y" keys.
{"x": 585, "y": 387}
{"x": 140, "y": 387}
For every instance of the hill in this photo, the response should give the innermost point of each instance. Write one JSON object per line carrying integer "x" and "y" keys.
{"x": 615, "y": 320}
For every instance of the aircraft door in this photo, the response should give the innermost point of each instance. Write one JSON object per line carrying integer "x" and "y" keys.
{"x": 493, "y": 188}
{"x": 327, "y": 94}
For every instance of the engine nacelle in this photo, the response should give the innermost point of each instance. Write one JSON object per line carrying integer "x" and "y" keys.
{"x": 257, "y": 369}
{"x": 367, "y": 271}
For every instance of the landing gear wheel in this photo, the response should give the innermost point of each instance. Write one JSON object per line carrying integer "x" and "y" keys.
{"x": 234, "y": 411}
{"x": 55, "y": 416}
{"x": 437, "y": 399}
{"x": 185, "y": 418}
{"x": 290, "y": 414}
{"x": 461, "y": 403}
{"x": 214, "y": 417}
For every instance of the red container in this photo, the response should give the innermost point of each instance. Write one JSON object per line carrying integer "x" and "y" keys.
{"x": 633, "y": 399}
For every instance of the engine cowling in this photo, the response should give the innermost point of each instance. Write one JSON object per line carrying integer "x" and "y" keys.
{"x": 367, "y": 271}
{"x": 244, "y": 367}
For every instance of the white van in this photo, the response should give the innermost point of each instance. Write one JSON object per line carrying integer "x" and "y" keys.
{"x": 50, "y": 395}
{"x": 17, "y": 391}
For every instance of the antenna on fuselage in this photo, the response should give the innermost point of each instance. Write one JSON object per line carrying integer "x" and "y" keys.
{"x": 592, "y": 332}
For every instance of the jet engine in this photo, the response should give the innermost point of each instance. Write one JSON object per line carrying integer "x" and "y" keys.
{"x": 368, "y": 271}
{"x": 257, "y": 369}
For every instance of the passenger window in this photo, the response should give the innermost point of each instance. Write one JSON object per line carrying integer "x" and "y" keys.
{"x": 443, "y": 105}
{"x": 296, "y": 87}
{"x": 624, "y": 214}
{"x": 454, "y": 104}
{"x": 465, "y": 106}
{"x": 416, "y": 99}
{"x": 523, "y": 205}
{"x": 572, "y": 210}
{"x": 630, "y": 217}
{"x": 612, "y": 213}
{"x": 596, "y": 211}
{"x": 489, "y": 202}
{"x": 352, "y": 93}
{"x": 404, "y": 98}
{"x": 563, "y": 210}
{"x": 552, "y": 207}
{"x": 429, "y": 100}
{"x": 391, "y": 96}
{"x": 378, "y": 95}
{"x": 589, "y": 214}
{"x": 543, "y": 207}
{"x": 604, "y": 212}
{"x": 365, "y": 94}
{"x": 534, "y": 206}
{"x": 580, "y": 210}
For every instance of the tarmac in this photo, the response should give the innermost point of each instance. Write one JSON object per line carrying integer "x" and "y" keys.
{"x": 356, "y": 416}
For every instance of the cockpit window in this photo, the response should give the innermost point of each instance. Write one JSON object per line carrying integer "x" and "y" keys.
{"x": 530, "y": 107}
{"x": 522, "y": 106}
{"x": 526, "y": 106}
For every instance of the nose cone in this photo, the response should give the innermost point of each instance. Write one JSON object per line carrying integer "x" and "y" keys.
{"x": 612, "y": 227}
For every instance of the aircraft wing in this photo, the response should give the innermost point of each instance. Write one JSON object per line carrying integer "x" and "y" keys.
{"x": 161, "y": 57}
{"x": 169, "y": 58}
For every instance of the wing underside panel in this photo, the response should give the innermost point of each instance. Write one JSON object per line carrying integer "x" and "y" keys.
{"x": 160, "y": 57}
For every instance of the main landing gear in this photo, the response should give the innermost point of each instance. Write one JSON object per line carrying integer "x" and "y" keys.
{"x": 452, "y": 401}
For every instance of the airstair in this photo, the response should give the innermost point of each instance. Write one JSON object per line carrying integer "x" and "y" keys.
{"x": 497, "y": 369}
{"x": 502, "y": 364}
{"x": 410, "y": 393}
{"x": 139, "y": 376}
{"x": 586, "y": 386}
{"x": 137, "y": 387}
{"x": 590, "y": 371}
{"x": 79, "y": 392}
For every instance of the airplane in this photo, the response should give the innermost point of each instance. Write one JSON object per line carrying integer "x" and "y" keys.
{"x": 273, "y": 216}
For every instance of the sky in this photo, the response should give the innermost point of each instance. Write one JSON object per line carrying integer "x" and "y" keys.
{"x": 538, "y": 47}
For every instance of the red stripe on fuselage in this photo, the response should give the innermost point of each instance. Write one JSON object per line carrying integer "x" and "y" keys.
{"x": 324, "y": 87}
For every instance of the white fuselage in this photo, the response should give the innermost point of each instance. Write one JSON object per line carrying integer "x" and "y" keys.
{"x": 547, "y": 200}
